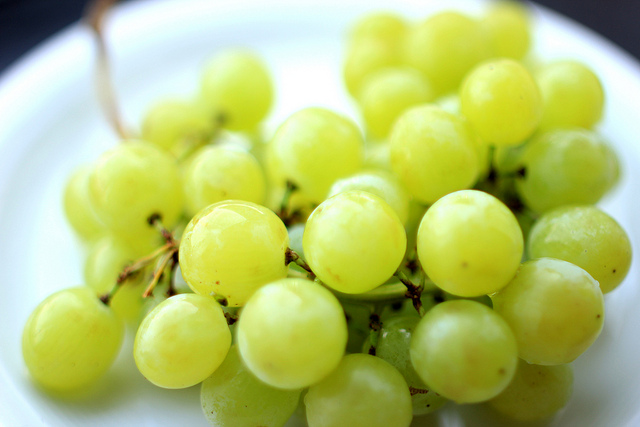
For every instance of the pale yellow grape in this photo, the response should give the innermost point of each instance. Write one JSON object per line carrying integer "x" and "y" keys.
{"x": 354, "y": 241}
{"x": 433, "y": 152}
{"x": 502, "y": 102}
{"x": 236, "y": 85}
{"x": 313, "y": 148}
{"x": 377, "y": 155}
{"x": 536, "y": 392}
{"x": 555, "y": 309}
{"x": 366, "y": 57}
{"x": 221, "y": 173}
{"x": 130, "y": 183}
{"x": 449, "y": 103}
{"x": 469, "y": 243}
{"x": 78, "y": 208}
{"x": 571, "y": 93}
{"x": 176, "y": 125}
{"x": 464, "y": 351}
{"x": 292, "y": 333}
{"x": 384, "y": 26}
{"x": 445, "y": 47}
{"x": 506, "y": 25}
{"x": 70, "y": 340}
{"x": 363, "y": 391}
{"x": 387, "y": 93}
{"x": 182, "y": 341}
{"x": 381, "y": 183}
{"x": 587, "y": 237}
{"x": 233, "y": 397}
{"x": 231, "y": 248}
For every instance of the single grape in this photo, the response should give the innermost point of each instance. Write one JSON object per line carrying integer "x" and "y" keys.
{"x": 469, "y": 243}
{"x": 292, "y": 333}
{"x": 238, "y": 88}
{"x": 363, "y": 391}
{"x": 221, "y": 173}
{"x": 587, "y": 237}
{"x": 377, "y": 155}
{"x": 232, "y": 248}
{"x": 571, "y": 93}
{"x": 182, "y": 341}
{"x": 555, "y": 309}
{"x": 464, "y": 351}
{"x": 536, "y": 392}
{"x": 354, "y": 241}
{"x": 78, "y": 208}
{"x": 312, "y": 149}
{"x": 506, "y": 25}
{"x": 365, "y": 57}
{"x": 386, "y": 27}
{"x": 433, "y": 152}
{"x": 233, "y": 397}
{"x": 502, "y": 102}
{"x": 70, "y": 340}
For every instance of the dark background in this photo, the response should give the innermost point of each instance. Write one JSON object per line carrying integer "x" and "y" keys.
{"x": 25, "y": 23}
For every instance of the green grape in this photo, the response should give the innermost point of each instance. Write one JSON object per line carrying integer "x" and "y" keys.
{"x": 565, "y": 166}
{"x": 572, "y": 95}
{"x": 106, "y": 260}
{"x": 502, "y": 102}
{"x": 554, "y": 308}
{"x": 363, "y": 391}
{"x": 381, "y": 183}
{"x": 354, "y": 241}
{"x": 70, "y": 340}
{"x": 377, "y": 155}
{"x": 536, "y": 392}
{"x": 393, "y": 347}
{"x": 233, "y": 397}
{"x": 130, "y": 183}
{"x": 77, "y": 206}
{"x": 384, "y": 26}
{"x": 366, "y": 57}
{"x": 182, "y": 341}
{"x": 416, "y": 213}
{"x": 221, "y": 173}
{"x": 506, "y": 25}
{"x": 177, "y": 125}
{"x": 464, "y": 351}
{"x": 237, "y": 86}
{"x": 387, "y": 93}
{"x": 587, "y": 237}
{"x": 313, "y": 148}
{"x": 469, "y": 243}
{"x": 358, "y": 316}
{"x": 445, "y": 47}
{"x": 434, "y": 153}
{"x": 292, "y": 333}
{"x": 449, "y": 103}
{"x": 231, "y": 248}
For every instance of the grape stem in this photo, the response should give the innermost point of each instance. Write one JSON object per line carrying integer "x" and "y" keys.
{"x": 155, "y": 220}
{"x": 285, "y": 213}
{"x": 414, "y": 292}
{"x": 231, "y": 318}
{"x": 291, "y": 256}
{"x": 159, "y": 271}
{"x": 375, "y": 325}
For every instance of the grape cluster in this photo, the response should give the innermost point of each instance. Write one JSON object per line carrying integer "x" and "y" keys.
{"x": 454, "y": 253}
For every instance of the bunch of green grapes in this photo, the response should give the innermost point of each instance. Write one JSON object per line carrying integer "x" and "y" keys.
{"x": 444, "y": 246}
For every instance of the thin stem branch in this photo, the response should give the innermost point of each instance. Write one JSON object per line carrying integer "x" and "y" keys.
{"x": 291, "y": 256}
{"x": 162, "y": 264}
{"x": 414, "y": 292}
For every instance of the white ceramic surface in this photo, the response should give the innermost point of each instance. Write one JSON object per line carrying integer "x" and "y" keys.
{"x": 50, "y": 122}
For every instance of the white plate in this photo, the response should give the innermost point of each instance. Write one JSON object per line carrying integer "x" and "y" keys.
{"x": 50, "y": 122}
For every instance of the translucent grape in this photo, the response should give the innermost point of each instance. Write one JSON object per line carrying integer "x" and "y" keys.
{"x": 469, "y": 243}
{"x": 232, "y": 248}
{"x": 182, "y": 341}
{"x": 445, "y": 47}
{"x": 237, "y": 86}
{"x": 464, "y": 351}
{"x": 562, "y": 167}
{"x": 433, "y": 152}
{"x": 554, "y": 308}
{"x": 502, "y": 102}
{"x": 506, "y": 25}
{"x": 383, "y": 26}
{"x": 381, "y": 183}
{"x": 587, "y": 237}
{"x": 221, "y": 173}
{"x": 70, "y": 340}
{"x": 363, "y": 391}
{"x": 385, "y": 94}
{"x": 354, "y": 241}
{"x": 313, "y": 148}
{"x": 233, "y": 397}
{"x": 377, "y": 155}
{"x": 572, "y": 95}
{"x": 366, "y": 57}
{"x": 292, "y": 333}
{"x": 77, "y": 206}
{"x": 536, "y": 392}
